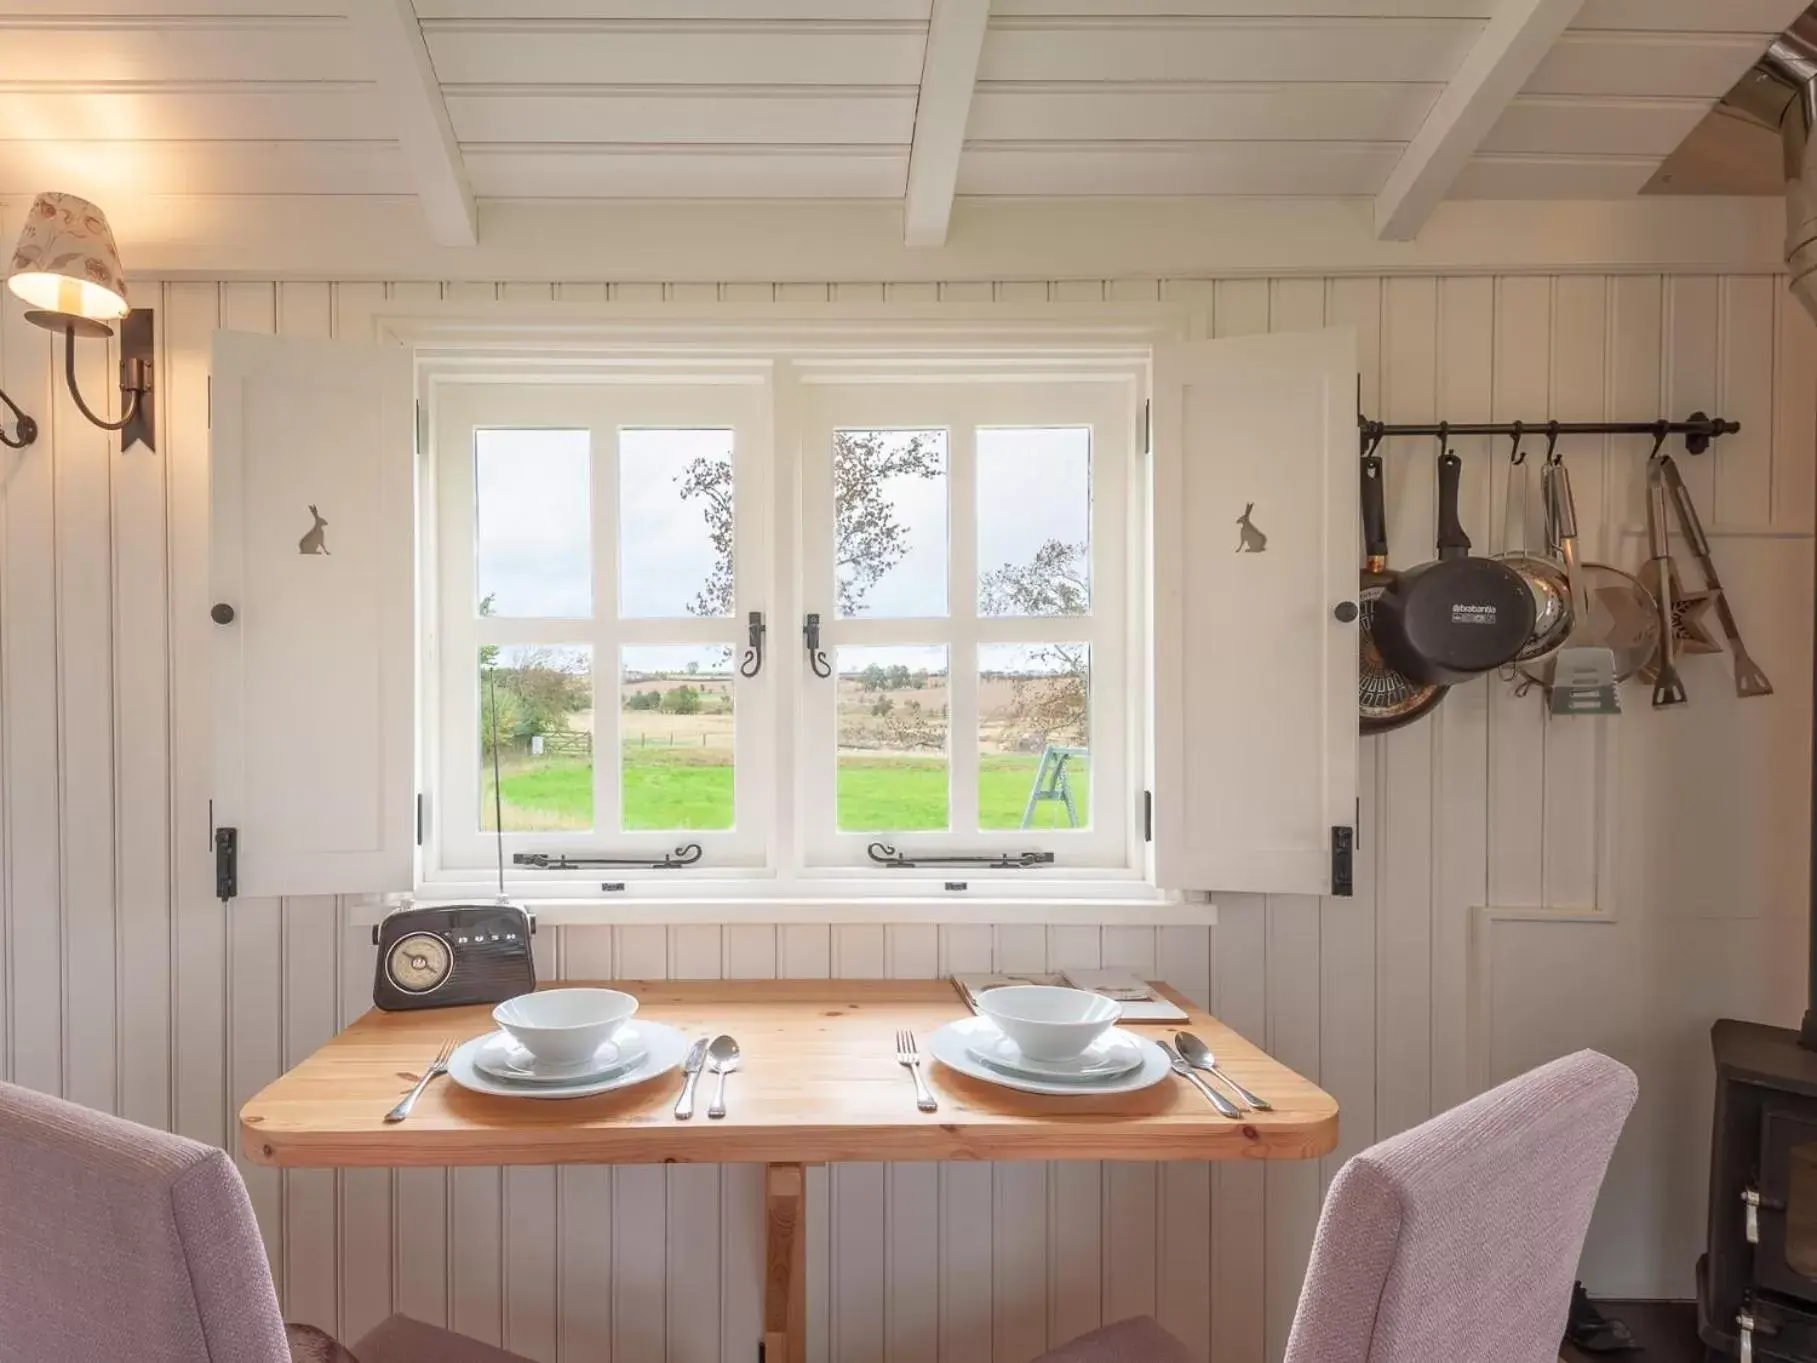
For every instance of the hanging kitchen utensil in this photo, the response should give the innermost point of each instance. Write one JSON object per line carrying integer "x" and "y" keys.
{"x": 1545, "y": 577}
{"x": 1662, "y": 581}
{"x": 1386, "y": 699}
{"x": 1690, "y": 629}
{"x": 1458, "y": 616}
{"x": 1749, "y": 679}
{"x": 1582, "y": 673}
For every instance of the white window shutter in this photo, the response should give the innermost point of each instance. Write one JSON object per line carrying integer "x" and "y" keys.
{"x": 315, "y": 678}
{"x": 1255, "y": 550}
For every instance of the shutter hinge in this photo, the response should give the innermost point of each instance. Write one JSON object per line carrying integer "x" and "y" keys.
{"x": 422, "y": 435}
{"x": 419, "y": 818}
{"x": 209, "y": 420}
{"x": 1143, "y": 429}
{"x": 1148, "y": 816}
{"x": 1343, "y": 848}
{"x": 227, "y": 863}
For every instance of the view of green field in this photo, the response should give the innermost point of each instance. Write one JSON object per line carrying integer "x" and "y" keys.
{"x": 675, "y": 733}
{"x": 683, "y": 788}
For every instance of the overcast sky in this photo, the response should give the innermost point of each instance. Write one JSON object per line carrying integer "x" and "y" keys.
{"x": 535, "y": 511}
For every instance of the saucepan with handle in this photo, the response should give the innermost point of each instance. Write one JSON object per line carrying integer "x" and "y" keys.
{"x": 1458, "y": 616}
{"x": 1385, "y": 698}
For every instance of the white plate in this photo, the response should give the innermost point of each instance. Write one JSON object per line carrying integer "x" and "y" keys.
{"x": 667, "y": 1047}
{"x": 1114, "y": 1053}
{"x": 502, "y": 1057}
{"x": 950, "y": 1046}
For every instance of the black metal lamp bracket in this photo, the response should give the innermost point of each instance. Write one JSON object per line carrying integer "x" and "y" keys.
{"x": 138, "y": 346}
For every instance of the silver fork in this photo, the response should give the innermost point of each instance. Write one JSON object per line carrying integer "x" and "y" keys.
{"x": 440, "y": 1066}
{"x": 910, "y": 1059}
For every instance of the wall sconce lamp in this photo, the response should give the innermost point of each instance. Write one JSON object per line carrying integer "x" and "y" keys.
{"x": 67, "y": 267}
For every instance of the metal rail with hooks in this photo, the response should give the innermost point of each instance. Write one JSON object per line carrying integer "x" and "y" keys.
{"x": 1699, "y": 431}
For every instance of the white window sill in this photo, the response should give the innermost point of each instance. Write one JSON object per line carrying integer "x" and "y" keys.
{"x": 1136, "y": 907}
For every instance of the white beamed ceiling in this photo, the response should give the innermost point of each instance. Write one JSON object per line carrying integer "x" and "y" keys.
{"x": 779, "y": 99}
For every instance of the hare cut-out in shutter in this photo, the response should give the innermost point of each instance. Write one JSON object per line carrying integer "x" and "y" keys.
{"x": 314, "y": 540}
{"x": 1252, "y": 540}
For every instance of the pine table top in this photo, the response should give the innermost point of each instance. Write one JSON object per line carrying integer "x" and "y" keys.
{"x": 819, "y": 1083}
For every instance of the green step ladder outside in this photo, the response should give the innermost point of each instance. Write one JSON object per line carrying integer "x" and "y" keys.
{"x": 1052, "y": 783}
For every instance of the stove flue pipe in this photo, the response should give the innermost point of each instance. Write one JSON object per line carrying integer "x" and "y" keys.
{"x": 1781, "y": 92}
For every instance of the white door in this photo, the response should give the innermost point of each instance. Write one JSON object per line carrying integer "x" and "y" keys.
{"x": 1255, "y": 556}
{"x": 313, "y": 552}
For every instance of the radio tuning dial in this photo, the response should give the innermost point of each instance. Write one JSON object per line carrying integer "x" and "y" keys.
{"x": 419, "y": 963}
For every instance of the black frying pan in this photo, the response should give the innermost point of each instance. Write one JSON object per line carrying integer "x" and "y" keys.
{"x": 1385, "y": 699}
{"x": 1458, "y": 616}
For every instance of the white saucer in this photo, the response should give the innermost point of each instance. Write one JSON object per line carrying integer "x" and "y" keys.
{"x": 665, "y": 1049}
{"x": 951, "y": 1046}
{"x": 1113, "y": 1054}
{"x": 502, "y": 1057}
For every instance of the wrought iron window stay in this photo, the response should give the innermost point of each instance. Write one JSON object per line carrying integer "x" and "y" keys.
{"x": 685, "y": 855}
{"x": 885, "y": 855}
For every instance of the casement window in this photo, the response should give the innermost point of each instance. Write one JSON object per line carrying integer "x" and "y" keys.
{"x": 801, "y": 626}
{"x": 598, "y": 547}
{"x": 964, "y": 545}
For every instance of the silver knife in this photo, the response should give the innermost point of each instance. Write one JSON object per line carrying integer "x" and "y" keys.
{"x": 1224, "y": 1106}
{"x": 692, "y": 1066}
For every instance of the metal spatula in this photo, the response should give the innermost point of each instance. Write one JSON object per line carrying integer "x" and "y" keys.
{"x": 1750, "y": 681}
{"x": 1583, "y": 673}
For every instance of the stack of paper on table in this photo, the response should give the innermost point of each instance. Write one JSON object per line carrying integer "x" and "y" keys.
{"x": 1140, "y": 1000}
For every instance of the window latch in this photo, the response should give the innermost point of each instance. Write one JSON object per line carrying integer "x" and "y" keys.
{"x": 810, "y": 636}
{"x": 685, "y": 855}
{"x": 753, "y": 655}
{"x": 885, "y": 855}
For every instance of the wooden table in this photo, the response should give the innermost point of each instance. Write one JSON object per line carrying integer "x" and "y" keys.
{"x": 819, "y": 1084}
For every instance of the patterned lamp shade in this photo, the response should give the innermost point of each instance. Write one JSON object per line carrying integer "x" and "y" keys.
{"x": 66, "y": 260}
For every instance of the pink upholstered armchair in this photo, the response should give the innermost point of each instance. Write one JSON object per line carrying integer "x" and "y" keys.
{"x": 120, "y": 1244}
{"x": 1457, "y": 1240}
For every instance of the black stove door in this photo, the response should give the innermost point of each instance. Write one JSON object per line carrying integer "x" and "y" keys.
{"x": 1785, "y": 1260}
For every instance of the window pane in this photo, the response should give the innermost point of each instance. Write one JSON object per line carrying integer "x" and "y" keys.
{"x": 675, "y": 718}
{"x": 1034, "y": 520}
{"x": 541, "y": 697}
{"x": 674, "y": 524}
{"x": 892, "y": 739}
{"x": 533, "y": 516}
{"x": 889, "y": 500}
{"x": 1034, "y": 754}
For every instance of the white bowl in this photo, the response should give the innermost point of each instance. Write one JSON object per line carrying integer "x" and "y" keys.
{"x": 564, "y": 1026}
{"x": 1049, "y": 1023}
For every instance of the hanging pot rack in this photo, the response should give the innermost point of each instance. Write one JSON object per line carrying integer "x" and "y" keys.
{"x": 1699, "y": 431}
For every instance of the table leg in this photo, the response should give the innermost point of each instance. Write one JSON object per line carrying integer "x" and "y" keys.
{"x": 785, "y": 1286}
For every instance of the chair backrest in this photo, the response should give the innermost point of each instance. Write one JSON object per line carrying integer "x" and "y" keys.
{"x": 1459, "y": 1240}
{"x": 120, "y": 1244}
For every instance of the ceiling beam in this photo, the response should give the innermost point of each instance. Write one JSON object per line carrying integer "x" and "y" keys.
{"x": 407, "y": 82}
{"x": 949, "y": 68}
{"x": 1512, "y": 46}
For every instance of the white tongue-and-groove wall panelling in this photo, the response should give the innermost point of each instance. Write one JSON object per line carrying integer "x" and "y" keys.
{"x": 1524, "y": 887}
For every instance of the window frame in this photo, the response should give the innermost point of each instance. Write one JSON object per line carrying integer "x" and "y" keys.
{"x": 963, "y": 406}
{"x": 604, "y": 410}
{"x": 782, "y": 367}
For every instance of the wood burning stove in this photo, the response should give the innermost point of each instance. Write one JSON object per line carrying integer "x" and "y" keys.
{"x": 1757, "y": 1281}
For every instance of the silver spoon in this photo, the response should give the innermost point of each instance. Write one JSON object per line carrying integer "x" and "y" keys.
{"x": 1197, "y": 1054}
{"x": 722, "y": 1059}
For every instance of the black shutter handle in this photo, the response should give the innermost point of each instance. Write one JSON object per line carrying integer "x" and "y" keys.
{"x": 221, "y": 613}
